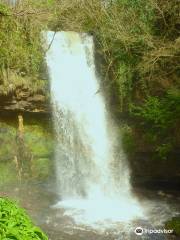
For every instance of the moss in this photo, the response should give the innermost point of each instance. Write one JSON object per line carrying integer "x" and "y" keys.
{"x": 8, "y": 174}
{"x": 38, "y": 140}
{"x": 41, "y": 168}
{"x": 34, "y": 154}
{"x": 7, "y": 141}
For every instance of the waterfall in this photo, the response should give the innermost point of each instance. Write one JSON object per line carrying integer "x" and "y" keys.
{"x": 84, "y": 156}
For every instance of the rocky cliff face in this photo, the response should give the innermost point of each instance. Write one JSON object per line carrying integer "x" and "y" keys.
{"x": 35, "y": 150}
{"x": 21, "y": 99}
{"x": 29, "y": 156}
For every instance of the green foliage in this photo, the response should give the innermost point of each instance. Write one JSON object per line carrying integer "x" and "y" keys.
{"x": 135, "y": 47}
{"x": 163, "y": 150}
{"x": 4, "y": 10}
{"x": 174, "y": 224}
{"x": 138, "y": 41}
{"x": 154, "y": 112}
{"x": 20, "y": 45}
{"x": 127, "y": 138}
{"x": 21, "y": 52}
{"x": 15, "y": 223}
{"x": 160, "y": 117}
{"x": 128, "y": 32}
{"x": 159, "y": 113}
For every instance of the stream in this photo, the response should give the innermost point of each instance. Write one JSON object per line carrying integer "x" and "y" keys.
{"x": 39, "y": 200}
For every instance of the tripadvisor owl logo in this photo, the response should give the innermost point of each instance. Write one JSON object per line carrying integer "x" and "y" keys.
{"x": 139, "y": 231}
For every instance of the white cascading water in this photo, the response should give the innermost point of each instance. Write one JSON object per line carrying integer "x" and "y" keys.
{"x": 84, "y": 155}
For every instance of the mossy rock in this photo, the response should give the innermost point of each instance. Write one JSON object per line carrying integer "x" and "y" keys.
{"x": 41, "y": 168}
{"x": 35, "y": 153}
{"x": 174, "y": 224}
{"x": 8, "y": 173}
{"x": 7, "y": 141}
{"x": 38, "y": 140}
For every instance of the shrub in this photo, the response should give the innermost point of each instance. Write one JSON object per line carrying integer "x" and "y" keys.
{"x": 15, "y": 223}
{"x": 159, "y": 118}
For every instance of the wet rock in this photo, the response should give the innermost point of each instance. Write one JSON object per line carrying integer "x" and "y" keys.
{"x": 161, "y": 193}
{"x": 154, "y": 173}
{"x": 25, "y": 103}
{"x": 22, "y": 94}
{"x": 37, "y": 98}
{"x": 169, "y": 195}
{"x": 23, "y": 99}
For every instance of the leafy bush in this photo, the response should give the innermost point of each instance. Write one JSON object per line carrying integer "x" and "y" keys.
{"x": 15, "y": 224}
{"x": 159, "y": 113}
{"x": 154, "y": 112}
{"x": 159, "y": 117}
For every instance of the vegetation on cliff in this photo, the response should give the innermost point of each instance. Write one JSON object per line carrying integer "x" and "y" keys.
{"x": 137, "y": 40}
{"x": 139, "y": 43}
{"x": 15, "y": 224}
{"x": 21, "y": 50}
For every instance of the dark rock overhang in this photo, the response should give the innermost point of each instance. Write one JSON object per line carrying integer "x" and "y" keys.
{"x": 22, "y": 100}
